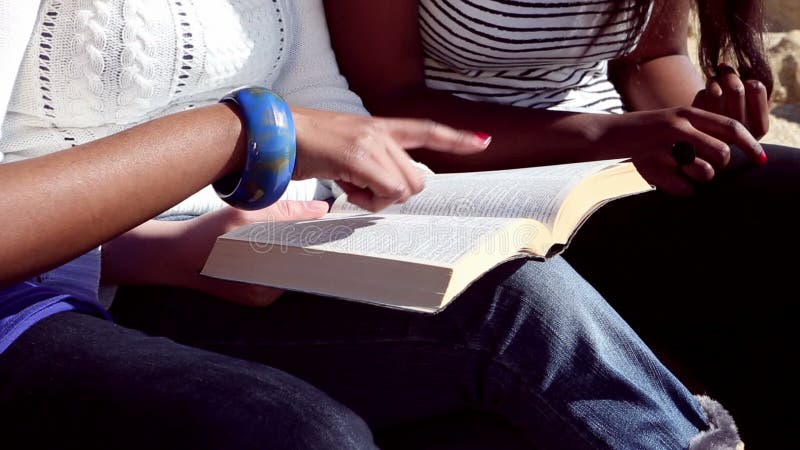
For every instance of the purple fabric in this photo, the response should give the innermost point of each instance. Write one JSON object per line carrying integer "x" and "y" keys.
{"x": 22, "y": 305}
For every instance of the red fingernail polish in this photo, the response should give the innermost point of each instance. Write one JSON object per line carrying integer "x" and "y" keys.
{"x": 483, "y": 137}
{"x": 762, "y": 158}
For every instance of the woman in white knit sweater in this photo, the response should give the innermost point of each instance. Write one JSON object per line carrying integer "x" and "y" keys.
{"x": 133, "y": 86}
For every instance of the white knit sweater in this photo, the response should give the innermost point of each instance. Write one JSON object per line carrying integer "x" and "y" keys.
{"x": 72, "y": 71}
{"x": 91, "y": 68}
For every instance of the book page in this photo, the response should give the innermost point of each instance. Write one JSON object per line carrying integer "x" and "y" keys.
{"x": 434, "y": 240}
{"x": 534, "y": 192}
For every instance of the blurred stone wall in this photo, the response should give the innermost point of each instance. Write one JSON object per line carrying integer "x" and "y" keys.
{"x": 783, "y": 15}
{"x": 783, "y": 46}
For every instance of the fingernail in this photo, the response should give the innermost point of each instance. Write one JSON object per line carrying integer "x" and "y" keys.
{"x": 762, "y": 157}
{"x": 484, "y": 138}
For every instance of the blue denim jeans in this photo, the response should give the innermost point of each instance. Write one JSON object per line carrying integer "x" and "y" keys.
{"x": 530, "y": 342}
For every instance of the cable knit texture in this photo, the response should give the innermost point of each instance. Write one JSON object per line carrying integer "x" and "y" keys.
{"x": 95, "y": 67}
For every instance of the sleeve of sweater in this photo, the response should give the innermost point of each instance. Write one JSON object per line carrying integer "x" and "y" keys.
{"x": 311, "y": 76}
{"x": 17, "y": 19}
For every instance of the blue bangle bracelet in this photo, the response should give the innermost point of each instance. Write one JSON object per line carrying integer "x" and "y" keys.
{"x": 271, "y": 150}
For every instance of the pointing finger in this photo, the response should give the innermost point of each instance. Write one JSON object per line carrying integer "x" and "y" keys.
{"x": 415, "y": 133}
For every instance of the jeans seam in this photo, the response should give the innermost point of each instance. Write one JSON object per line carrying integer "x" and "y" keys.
{"x": 525, "y": 385}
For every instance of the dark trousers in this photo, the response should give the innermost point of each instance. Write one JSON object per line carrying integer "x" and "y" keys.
{"x": 709, "y": 282}
{"x": 78, "y": 382}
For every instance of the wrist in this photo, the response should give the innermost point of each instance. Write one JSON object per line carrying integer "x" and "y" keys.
{"x": 270, "y": 150}
{"x": 610, "y": 135}
{"x": 599, "y": 132}
{"x": 234, "y": 124}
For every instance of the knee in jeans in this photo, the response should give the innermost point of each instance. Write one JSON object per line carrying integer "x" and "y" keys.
{"x": 221, "y": 402}
{"x": 286, "y": 413}
{"x": 552, "y": 294}
{"x": 542, "y": 305}
{"x": 335, "y": 428}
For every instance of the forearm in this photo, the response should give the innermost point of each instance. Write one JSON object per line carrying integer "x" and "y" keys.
{"x": 664, "y": 82}
{"x": 521, "y": 137}
{"x": 659, "y": 73}
{"x": 68, "y": 202}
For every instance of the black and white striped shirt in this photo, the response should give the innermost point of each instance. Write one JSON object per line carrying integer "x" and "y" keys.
{"x": 529, "y": 53}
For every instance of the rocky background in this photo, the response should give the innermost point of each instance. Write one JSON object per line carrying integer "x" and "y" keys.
{"x": 783, "y": 46}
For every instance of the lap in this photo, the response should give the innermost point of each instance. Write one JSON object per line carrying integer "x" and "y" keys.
{"x": 550, "y": 288}
{"x": 351, "y": 349}
{"x": 709, "y": 279}
{"x": 728, "y": 243}
{"x": 88, "y": 383}
{"x": 499, "y": 348}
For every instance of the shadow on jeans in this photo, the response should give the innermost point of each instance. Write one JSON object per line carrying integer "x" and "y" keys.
{"x": 461, "y": 430}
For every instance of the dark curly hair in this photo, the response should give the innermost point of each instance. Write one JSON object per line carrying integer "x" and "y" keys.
{"x": 730, "y": 31}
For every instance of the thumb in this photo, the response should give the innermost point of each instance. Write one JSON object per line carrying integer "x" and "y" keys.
{"x": 296, "y": 210}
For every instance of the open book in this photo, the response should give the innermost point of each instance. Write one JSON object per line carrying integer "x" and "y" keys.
{"x": 422, "y": 254}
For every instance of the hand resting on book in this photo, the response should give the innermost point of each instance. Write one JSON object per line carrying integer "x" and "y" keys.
{"x": 177, "y": 257}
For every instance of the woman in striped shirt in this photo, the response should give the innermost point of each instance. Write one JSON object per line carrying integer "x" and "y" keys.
{"x": 565, "y": 81}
